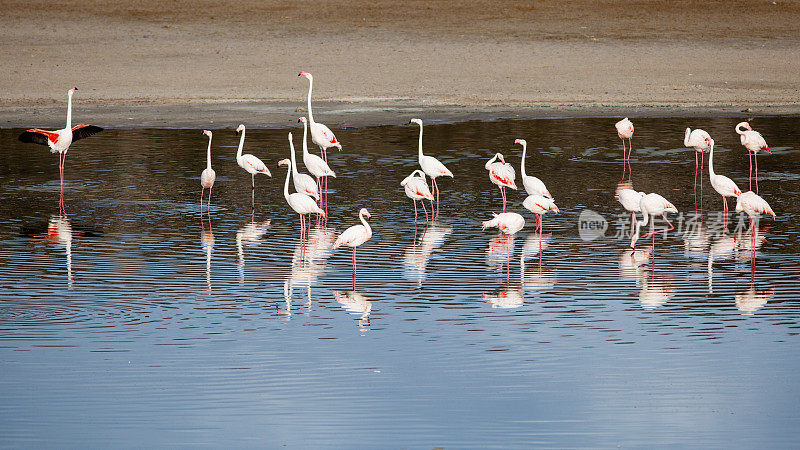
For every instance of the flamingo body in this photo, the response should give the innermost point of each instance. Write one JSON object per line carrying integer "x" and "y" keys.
{"x": 531, "y": 184}
{"x": 539, "y": 204}
{"x": 624, "y": 128}
{"x": 303, "y": 183}
{"x": 248, "y": 162}
{"x": 357, "y": 234}
{"x": 507, "y": 222}
{"x": 320, "y": 134}
{"x": 696, "y": 139}
{"x": 722, "y": 184}
{"x": 752, "y": 140}
{"x": 753, "y": 205}
{"x": 416, "y": 187}
{"x": 629, "y": 199}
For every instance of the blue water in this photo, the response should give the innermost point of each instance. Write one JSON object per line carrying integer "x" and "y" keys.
{"x": 128, "y": 322}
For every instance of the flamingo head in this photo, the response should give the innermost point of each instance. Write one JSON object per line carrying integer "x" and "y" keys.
{"x": 305, "y": 74}
{"x": 302, "y": 120}
{"x": 416, "y": 121}
{"x": 207, "y": 133}
{"x": 364, "y": 212}
{"x": 521, "y": 142}
{"x": 500, "y": 157}
{"x": 72, "y": 90}
{"x": 240, "y": 128}
{"x": 284, "y": 162}
{"x": 747, "y": 126}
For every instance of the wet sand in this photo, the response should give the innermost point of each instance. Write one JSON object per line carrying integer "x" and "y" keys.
{"x": 192, "y": 62}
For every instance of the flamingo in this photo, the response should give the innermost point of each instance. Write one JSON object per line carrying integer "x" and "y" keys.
{"x": 208, "y": 176}
{"x": 303, "y": 183}
{"x": 431, "y": 166}
{"x": 316, "y": 165}
{"x": 629, "y": 199}
{"x": 722, "y": 184}
{"x": 60, "y": 140}
{"x": 355, "y": 236}
{"x": 250, "y": 163}
{"x": 653, "y": 205}
{"x": 699, "y": 141}
{"x": 506, "y": 222}
{"x": 753, "y": 142}
{"x": 502, "y": 174}
{"x": 532, "y": 185}
{"x": 625, "y": 131}
{"x": 539, "y": 205}
{"x": 301, "y": 203}
{"x": 417, "y": 189}
{"x": 320, "y": 134}
{"x": 753, "y": 205}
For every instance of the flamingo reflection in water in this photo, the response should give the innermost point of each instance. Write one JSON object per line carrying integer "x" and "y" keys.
{"x": 751, "y": 300}
{"x": 632, "y": 263}
{"x": 207, "y": 240}
{"x": 416, "y": 256}
{"x": 508, "y": 298}
{"x": 539, "y": 279}
{"x": 308, "y": 264}
{"x": 250, "y": 233}
{"x": 508, "y": 223}
{"x": 357, "y": 304}
{"x": 655, "y": 290}
{"x": 60, "y": 232}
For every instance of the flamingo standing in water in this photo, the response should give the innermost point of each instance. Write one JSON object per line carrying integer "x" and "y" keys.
{"x": 722, "y": 184}
{"x": 60, "y": 140}
{"x": 539, "y": 205}
{"x": 417, "y": 189}
{"x": 303, "y": 183}
{"x": 698, "y": 140}
{"x": 653, "y": 205}
{"x": 355, "y": 236}
{"x": 502, "y": 174}
{"x": 432, "y": 167}
{"x": 629, "y": 199}
{"x": 251, "y": 164}
{"x": 316, "y": 165}
{"x": 625, "y": 131}
{"x": 508, "y": 223}
{"x": 753, "y": 205}
{"x": 207, "y": 177}
{"x": 301, "y": 203}
{"x": 532, "y": 185}
{"x": 320, "y": 134}
{"x": 753, "y": 142}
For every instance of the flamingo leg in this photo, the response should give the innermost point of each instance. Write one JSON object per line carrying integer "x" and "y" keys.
{"x": 208, "y": 210}
{"x": 653, "y": 234}
{"x": 539, "y": 226}
{"x": 633, "y": 222}
{"x": 422, "y": 202}
{"x": 725, "y": 206}
{"x": 695, "y": 182}
{"x": 201, "y": 200}
{"x": 503, "y": 194}
{"x": 354, "y": 268}
{"x": 755, "y": 159}
{"x": 750, "y": 160}
{"x": 702, "y": 157}
{"x": 253, "y": 192}
{"x": 624, "y": 158}
{"x": 415, "y": 214}
{"x": 436, "y": 186}
{"x": 630, "y": 150}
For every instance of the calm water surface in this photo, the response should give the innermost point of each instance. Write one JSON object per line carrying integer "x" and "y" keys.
{"x": 129, "y": 322}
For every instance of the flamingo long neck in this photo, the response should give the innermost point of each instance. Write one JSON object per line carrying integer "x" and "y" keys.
{"x": 310, "y": 86}
{"x": 711, "y": 161}
{"x": 294, "y": 164}
{"x": 208, "y": 154}
{"x": 69, "y": 110}
{"x": 489, "y": 163}
{"x": 686, "y": 137}
{"x": 365, "y": 223}
{"x": 286, "y": 184}
{"x": 305, "y": 144}
{"x": 239, "y": 151}
{"x": 524, "y": 150}
{"x": 740, "y": 124}
{"x": 420, "y": 141}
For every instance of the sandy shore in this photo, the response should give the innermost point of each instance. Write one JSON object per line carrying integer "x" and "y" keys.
{"x": 185, "y": 63}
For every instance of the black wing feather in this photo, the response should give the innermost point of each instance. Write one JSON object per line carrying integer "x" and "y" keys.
{"x": 84, "y": 132}
{"x": 33, "y": 137}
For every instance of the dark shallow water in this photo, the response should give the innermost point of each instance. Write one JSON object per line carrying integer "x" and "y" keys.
{"x": 130, "y": 323}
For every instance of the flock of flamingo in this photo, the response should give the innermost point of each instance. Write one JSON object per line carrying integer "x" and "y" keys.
{"x": 310, "y": 196}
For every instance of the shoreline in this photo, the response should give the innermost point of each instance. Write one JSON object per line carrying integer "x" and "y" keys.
{"x": 217, "y": 114}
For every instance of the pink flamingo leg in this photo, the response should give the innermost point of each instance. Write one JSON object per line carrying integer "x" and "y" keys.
{"x": 415, "y": 214}
{"x": 652, "y": 232}
{"x": 436, "y": 188}
{"x": 503, "y": 194}
{"x": 354, "y": 268}
{"x": 633, "y": 222}
{"x": 750, "y": 160}
{"x": 755, "y": 159}
{"x": 422, "y": 202}
{"x": 201, "y": 200}
{"x": 624, "y": 158}
{"x": 695, "y": 182}
{"x": 725, "y": 207}
{"x": 253, "y": 192}
{"x": 630, "y": 150}
{"x": 208, "y": 210}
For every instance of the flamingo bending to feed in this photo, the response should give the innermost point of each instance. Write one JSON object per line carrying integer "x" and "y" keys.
{"x": 355, "y": 236}
{"x": 625, "y": 131}
{"x": 539, "y": 205}
{"x": 303, "y": 183}
{"x": 417, "y": 189}
{"x": 507, "y": 222}
{"x": 316, "y": 165}
{"x": 60, "y": 140}
{"x": 431, "y": 166}
{"x": 502, "y": 174}
{"x": 532, "y": 185}
{"x": 208, "y": 176}
{"x": 653, "y": 205}
{"x": 753, "y": 142}
{"x": 301, "y": 203}
{"x": 698, "y": 140}
{"x": 629, "y": 199}
{"x": 250, "y": 163}
{"x": 722, "y": 184}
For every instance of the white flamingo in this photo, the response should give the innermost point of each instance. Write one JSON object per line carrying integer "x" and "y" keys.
{"x": 417, "y": 189}
{"x": 60, "y": 140}
{"x": 502, "y": 174}
{"x": 506, "y": 222}
{"x": 753, "y": 205}
{"x": 315, "y": 165}
{"x": 303, "y": 183}
{"x": 698, "y": 140}
{"x": 625, "y": 131}
{"x": 539, "y": 205}
{"x": 753, "y": 142}
{"x": 629, "y": 199}
{"x": 355, "y": 236}
{"x": 531, "y": 184}
{"x": 432, "y": 167}
{"x": 653, "y": 205}
{"x": 722, "y": 184}
{"x": 208, "y": 176}
{"x": 250, "y": 163}
{"x": 320, "y": 134}
{"x": 302, "y": 204}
